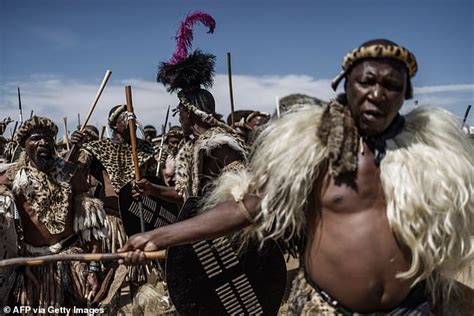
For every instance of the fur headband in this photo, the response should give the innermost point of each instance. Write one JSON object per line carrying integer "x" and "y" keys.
{"x": 116, "y": 113}
{"x": 34, "y": 123}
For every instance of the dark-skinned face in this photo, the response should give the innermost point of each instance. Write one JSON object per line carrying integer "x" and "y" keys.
{"x": 39, "y": 147}
{"x": 375, "y": 92}
{"x": 257, "y": 121}
{"x": 185, "y": 119}
{"x": 121, "y": 126}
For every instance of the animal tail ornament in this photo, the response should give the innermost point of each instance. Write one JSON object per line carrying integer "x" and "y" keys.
{"x": 184, "y": 37}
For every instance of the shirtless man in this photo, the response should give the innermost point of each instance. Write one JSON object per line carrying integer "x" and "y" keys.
{"x": 57, "y": 216}
{"x": 371, "y": 202}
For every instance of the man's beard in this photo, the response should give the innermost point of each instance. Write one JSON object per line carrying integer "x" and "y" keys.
{"x": 44, "y": 163}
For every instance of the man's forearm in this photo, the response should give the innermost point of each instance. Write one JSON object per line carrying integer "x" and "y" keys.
{"x": 216, "y": 222}
{"x": 167, "y": 193}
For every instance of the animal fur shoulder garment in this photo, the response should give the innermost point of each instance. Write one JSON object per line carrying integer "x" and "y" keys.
{"x": 427, "y": 177}
{"x": 116, "y": 158}
{"x": 191, "y": 154}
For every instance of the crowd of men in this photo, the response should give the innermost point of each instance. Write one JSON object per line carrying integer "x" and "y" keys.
{"x": 56, "y": 201}
{"x": 378, "y": 207}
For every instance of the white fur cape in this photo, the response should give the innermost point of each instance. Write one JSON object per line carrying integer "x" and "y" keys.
{"x": 427, "y": 177}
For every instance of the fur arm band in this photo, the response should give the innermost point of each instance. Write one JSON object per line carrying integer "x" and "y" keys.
{"x": 89, "y": 217}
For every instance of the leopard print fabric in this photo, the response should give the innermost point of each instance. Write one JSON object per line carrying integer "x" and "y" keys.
{"x": 305, "y": 300}
{"x": 382, "y": 50}
{"x": 377, "y": 51}
{"x": 117, "y": 158}
{"x": 49, "y": 194}
{"x": 190, "y": 157}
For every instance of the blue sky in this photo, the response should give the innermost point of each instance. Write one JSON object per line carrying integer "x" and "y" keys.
{"x": 58, "y": 51}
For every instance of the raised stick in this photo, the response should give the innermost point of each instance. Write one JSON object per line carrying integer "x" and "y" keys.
{"x": 102, "y": 132}
{"x": 466, "y": 115}
{"x": 99, "y": 93}
{"x": 231, "y": 93}
{"x": 278, "y": 106}
{"x": 133, "y": 140}
{"x": 65, "y": 133}
{"x": 19, "y": 107}
{"x": 163, "y": 135}
{"x": 85, "y": 257}
{"x": 73, "y": 151}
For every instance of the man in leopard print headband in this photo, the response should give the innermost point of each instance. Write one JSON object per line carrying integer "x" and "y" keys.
{"x": 381, "y": 221}
{"x": 58, "y": 216}
{"x": 110, "y": 163}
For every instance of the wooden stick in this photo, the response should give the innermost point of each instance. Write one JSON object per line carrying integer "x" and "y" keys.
{"x": 19, "y": 106}
{"x": 84, "y": 257}
{"x": 133, "y": 140}
{"x": 99, "y": 93}
{"x": 131, "y": 127}
{"x": 163, "y": 135}
{"x": 102, "y": 132}
{"x": 74, "y": 149}
{"x": 466, "y": 114}
{"x": 278, "y": 106}
{"x": 231, "y": 93}
{"x": 65, "y": 133}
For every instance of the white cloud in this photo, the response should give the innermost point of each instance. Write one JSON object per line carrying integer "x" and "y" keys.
{"x": 56, "y": 97}
{"x": 445, "y": 88}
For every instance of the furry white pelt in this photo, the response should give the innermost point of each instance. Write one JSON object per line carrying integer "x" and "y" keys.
{"x": 89, "y": 217}
{"x": 428, "y": 180}
{"x": 427, "y": 177}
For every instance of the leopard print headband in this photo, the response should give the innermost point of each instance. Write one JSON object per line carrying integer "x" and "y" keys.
{"x": 114, "y": 116}
{"x": 377, "y": 51}
{"x": 34, "y": 123}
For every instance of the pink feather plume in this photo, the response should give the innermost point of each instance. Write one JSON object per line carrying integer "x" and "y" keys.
{"x": 184, "y": 37}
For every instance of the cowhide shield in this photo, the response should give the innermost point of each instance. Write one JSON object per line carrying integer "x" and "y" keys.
{"x": 156, "y": 212}
{"x": 212, "y": 277}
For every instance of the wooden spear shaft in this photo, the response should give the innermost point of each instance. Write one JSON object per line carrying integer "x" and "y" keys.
{"x": 231, "y": 93}
{"x": 85, "y": 257}
{"x": 466, "y": 114}
{"x": 133, "y": 140}
{"x": 102, "y": 132}
{"x": 65, "y": 133}
{"x": 74, "y": 148}
{"x": 99, "y": 93}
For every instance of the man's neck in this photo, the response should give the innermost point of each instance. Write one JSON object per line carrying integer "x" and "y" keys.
{"x": 199, "y": 129}
{"x": 119, "y": 138}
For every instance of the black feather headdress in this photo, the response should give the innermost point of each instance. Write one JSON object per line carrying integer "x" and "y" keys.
{"x": 188, "y": 71}
{"x": 193, "y": 72}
